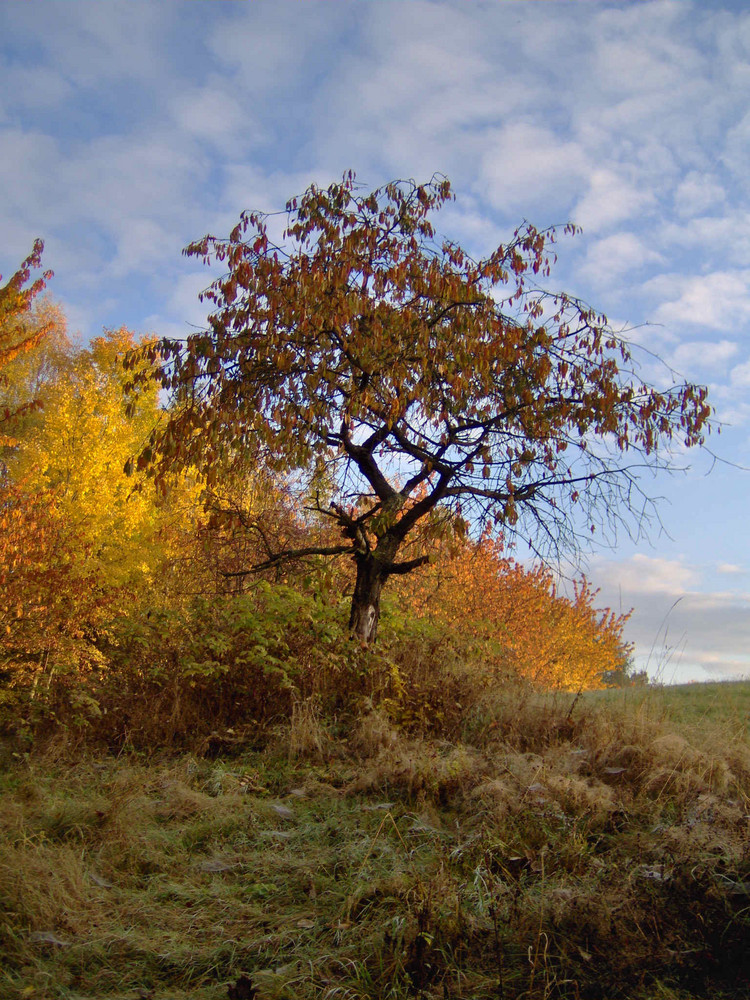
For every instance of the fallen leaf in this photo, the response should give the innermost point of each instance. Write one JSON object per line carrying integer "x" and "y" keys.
{"x": 47, "y": 937}
{"x": 284, "y": 811}
{"x": 251, "y": 783}
{"x": 98, "y": 880}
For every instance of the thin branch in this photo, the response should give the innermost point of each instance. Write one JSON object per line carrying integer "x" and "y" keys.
{"x": 289, "y": 554}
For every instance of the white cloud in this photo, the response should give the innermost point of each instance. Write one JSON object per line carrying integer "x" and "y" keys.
{"x": 732, "y": 412}
{"x": 211, "y": 114}
{"x": 82, "y": 322}
{"x": 615, "y": 257}
{"x": 653, "y": 97}
{"x": 124, "y": 176}
{"x": 141, "y": 243}
{"x": 719, "y": 300}
{"x": 680, "y": 631}
{"x": 184, "y": 300}
{"x": 725, "y": 238}
{"x": 643, "y": 574}
{"x": 270, "y": 46}
{"x": 700, "y": 356}
{"x": 610, "y": 199}
{"x": 183, "y": 312}
{"x": 740, "y": 375}
{"x": 730, "y": 569}
{"x": 523, "y": 163}
{"x": 27, "y": 161}
{"x": 737, "y": 148}
{"x": 37, "y": 87}
{"x": 471, "y": 225}
{"x": 416, "y": 93}
{"x": 644, "y": 49}
{"x": 93, "y": 42}
{"x": 698, "y": 192}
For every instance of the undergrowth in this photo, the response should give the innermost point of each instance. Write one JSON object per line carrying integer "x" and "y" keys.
{"x": 188, "y": 677}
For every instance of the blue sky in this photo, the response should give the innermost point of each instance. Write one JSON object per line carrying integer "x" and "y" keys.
{"x": 129, "y": 128}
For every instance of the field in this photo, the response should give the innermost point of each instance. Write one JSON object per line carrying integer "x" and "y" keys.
{"x": 596, "y": 847}
{"x": 723, "y": 702}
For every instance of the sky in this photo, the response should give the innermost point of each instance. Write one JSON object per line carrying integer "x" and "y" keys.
{"x": 129, "y": 128}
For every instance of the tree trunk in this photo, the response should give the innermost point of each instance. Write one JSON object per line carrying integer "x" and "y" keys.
{"x": 365, "y": 613}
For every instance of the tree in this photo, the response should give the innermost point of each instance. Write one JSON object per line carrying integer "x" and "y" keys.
{"x": 82, "y": 548}
{"x": 554, "y": 640}
{"x": 51, "y": 596}
{"x": 18, "y": 333}
{"x": 77, "y": 450}
{"x": 413, "y": 378}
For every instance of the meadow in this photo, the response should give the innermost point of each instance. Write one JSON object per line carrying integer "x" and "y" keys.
{"x": 555, "y": 846}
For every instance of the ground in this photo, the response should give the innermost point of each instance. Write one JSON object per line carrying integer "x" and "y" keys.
{"x": 594, "y": 847}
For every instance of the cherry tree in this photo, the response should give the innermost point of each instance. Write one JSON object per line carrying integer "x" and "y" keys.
{"x": 414, "y": 380}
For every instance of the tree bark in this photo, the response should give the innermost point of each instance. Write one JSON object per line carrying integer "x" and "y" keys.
{"x": 365, "y": 613}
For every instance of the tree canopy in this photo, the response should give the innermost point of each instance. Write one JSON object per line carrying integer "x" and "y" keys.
{"x": 411, "y": 379}
{"x": 78, "y": 450}
{"x": 18, "y": 333}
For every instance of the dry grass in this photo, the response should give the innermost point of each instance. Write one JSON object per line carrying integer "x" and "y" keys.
{"x": 551, "y": 849}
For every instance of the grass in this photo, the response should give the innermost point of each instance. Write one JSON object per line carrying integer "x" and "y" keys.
{"x": 719, "y": 705}
{"x": 553, "y": 849}
{"x": 726, "y": 703}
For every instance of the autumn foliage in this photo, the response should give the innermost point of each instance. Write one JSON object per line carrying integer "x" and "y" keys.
{"x": 18, "y": 333}
{"x": 375, "y": 394}
{"x": 54, "y": 604}
{"x": 542, "y": 634}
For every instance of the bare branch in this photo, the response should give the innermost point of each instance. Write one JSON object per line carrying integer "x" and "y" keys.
{"x": 291, "y": 554}
{"x": 408, "y": 565}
